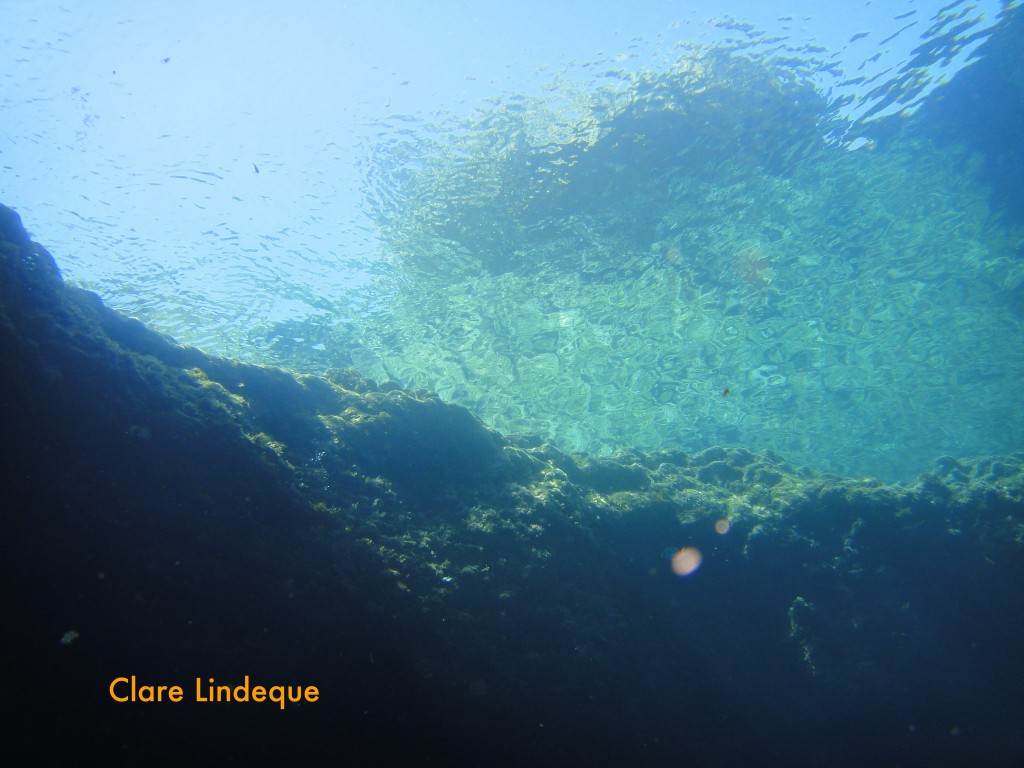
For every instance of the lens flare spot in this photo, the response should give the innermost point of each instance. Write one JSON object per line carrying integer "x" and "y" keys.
{"x": 686, "y": 561}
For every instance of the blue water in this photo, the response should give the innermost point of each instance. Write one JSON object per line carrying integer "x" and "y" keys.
{"x": 667, "y": 239}
{"x": 533, "y": 212}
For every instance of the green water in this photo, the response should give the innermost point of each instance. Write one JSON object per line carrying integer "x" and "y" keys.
{"x": 684, "y": 262}
{"x": 681, "y": 260}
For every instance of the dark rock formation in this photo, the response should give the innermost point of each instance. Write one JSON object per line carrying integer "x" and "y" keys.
{"x": 456, "y": 597}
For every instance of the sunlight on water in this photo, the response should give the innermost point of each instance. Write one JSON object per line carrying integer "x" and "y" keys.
{"x": 700, "y": 236}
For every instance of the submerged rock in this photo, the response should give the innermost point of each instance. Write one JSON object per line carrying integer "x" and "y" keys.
{"x": 456, "y": 595}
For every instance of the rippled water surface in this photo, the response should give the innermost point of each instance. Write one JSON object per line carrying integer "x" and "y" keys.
{"x": 650, "y": 229}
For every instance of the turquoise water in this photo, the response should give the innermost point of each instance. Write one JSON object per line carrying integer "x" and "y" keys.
{"x": 748, "y": 240}
{"x": 681, "y": 261}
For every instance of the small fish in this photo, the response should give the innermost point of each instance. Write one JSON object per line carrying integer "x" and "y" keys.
{"x": 255, "y": 167}
{"x": 725, "y": 392}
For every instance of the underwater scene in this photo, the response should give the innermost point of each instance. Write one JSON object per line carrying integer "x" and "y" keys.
{"x": 597, "y": 261}
{"x": 432, "y": 384}
{"x": 680, "y": 261}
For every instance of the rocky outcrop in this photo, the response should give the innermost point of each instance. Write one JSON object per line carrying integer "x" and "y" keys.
{"x": 455, "y": 594}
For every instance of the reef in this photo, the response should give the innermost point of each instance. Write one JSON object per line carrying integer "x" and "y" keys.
{"x": 456, "y": 594}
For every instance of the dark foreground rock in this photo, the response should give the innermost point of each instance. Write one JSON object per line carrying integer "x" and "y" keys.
{"x": 458, "y": 598}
